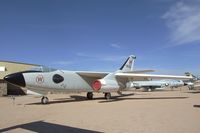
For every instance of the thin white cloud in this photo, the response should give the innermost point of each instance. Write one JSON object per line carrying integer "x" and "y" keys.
{"x": 82, "y": 54}
{"x": 183, "y": 20}
{"x": 116, "y": 46}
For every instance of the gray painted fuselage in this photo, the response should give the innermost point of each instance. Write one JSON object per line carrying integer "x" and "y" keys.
{"x": 42, "y": 82}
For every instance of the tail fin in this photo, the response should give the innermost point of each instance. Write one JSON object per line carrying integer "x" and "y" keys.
{"x": 128, "y": 64}
{"x": 190, "y": 74}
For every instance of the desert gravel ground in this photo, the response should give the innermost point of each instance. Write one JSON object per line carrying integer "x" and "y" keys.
{"x": 175, "y": 111}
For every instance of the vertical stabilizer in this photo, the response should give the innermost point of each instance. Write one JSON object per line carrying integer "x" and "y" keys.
{"x": 190, "y": 74}
{"x": 128, "y": 64}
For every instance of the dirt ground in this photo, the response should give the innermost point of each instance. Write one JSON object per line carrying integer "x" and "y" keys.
{"x": 175, "y": 111}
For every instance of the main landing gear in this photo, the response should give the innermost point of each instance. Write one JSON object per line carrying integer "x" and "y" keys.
{"x": 44, "y": 100}
{"x": 90, "y": 95}
{"x": 107, "y": 95}
{"x": 119, "y": 93}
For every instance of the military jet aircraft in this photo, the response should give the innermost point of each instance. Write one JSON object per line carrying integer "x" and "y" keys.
{"x": 45, "y": 80}
{"x": 152, "y": 85}
{"x": 192, "y": 83}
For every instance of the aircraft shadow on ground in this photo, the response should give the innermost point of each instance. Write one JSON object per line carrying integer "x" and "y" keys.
{"x": 77, "y": 98}
{"x": 45, "y": 127}
{"x": 196, "y": 106}
{"x": 114, "y": 99}
{"x": 194, "y": 92}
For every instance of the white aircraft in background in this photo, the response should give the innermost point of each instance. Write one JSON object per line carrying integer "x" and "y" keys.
{"x": 47, "y": 80}
{"x": 192, "y": 83}
{"x": 152, "y": 85}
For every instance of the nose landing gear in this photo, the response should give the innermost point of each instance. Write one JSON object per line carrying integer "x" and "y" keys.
{"x": 44, "y": 100}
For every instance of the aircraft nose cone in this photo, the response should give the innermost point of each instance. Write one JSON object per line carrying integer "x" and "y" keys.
{"x": 16, "y": 79}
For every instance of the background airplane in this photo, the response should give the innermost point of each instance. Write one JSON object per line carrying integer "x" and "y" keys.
{"x": 45, "y": 80}
{"x": 153, "y": 85}
{"x": 192, "y": 83}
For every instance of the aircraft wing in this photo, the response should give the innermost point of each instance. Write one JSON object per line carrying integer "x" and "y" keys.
{"x": 152, "y": 76}
{"x": 92, "y": 74}
{"x": 140, "y": 71}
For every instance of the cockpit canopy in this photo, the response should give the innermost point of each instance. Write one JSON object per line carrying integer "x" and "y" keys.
{"x": 42, "y": 69}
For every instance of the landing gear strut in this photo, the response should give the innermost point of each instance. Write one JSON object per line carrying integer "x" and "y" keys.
{"x": 107, "y": 95}
{"x": 44, "y": 100}
{"x": 89, "y": 95}
{"x": 119, "y": 93}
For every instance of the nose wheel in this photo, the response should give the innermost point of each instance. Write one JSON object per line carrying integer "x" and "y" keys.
{"x": 108, "y": 96}
{"x": 90, "y": 95}
{"x": 44, "y": 100}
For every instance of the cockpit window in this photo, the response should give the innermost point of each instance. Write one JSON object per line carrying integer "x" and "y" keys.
{"x": 57, "y": 78}
{"x": 43, "y": 69}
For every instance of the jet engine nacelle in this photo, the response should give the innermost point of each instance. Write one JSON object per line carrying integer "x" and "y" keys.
{"x": 189, "y": 83}
{"x": 105, "y": 85}
{"x": 133, "y": 85}
{"x": 164, "y": 85}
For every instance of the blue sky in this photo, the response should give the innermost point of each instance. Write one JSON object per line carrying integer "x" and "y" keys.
{"x": 100, "y": 34}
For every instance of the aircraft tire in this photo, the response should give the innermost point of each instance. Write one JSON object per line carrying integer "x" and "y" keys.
{"x": 190, "y": 87}
{"x": 108, "y": 96}
{"x": 44, "y": 100}
{"x": 89, "y": 95}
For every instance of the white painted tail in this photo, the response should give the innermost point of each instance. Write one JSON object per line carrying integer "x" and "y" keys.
{"x": 128, "y": 64}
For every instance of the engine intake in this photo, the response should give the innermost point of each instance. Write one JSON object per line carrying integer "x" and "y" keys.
{"x": 105, "y": 85}
{"x": 96, "y": 85}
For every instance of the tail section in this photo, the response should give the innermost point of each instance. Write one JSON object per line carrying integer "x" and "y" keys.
{"x": 128, "y": 64}
{"x": 126, "y": 67}
{"x": 190, "y": 74}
